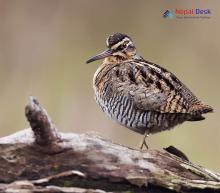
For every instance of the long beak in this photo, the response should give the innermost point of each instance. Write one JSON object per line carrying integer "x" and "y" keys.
{"x": 102, "y": 55}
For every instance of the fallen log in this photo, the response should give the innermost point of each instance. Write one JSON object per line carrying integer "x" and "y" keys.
{"x": 41, "y": 159}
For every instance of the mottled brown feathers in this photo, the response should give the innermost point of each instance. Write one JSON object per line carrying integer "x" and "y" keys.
{"x": 142, "y": 95}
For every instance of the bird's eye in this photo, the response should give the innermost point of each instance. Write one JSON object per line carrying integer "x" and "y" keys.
{"x": 124, "y": 45}
{"x": 121, "y": 47}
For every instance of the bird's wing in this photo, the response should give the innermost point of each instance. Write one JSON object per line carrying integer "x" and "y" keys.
{"x": 163, "y": 102}
{"x": 149, "y": 89}
{"x": 147, "y": 98}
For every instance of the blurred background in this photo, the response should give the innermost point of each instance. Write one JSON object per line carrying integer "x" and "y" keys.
{"x": 44, "y": 45}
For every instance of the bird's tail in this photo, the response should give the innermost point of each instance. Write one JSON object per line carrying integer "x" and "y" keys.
{"x": 196, "y": 111}
{"x": 200, "y": 108}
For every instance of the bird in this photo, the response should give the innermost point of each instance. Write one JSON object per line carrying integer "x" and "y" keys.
{"x": 139, "y": 94}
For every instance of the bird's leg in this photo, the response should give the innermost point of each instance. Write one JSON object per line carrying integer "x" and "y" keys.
{"x": 144, "y": 143}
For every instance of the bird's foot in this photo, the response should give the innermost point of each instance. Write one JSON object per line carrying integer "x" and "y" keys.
{"x": 144, "y": 143}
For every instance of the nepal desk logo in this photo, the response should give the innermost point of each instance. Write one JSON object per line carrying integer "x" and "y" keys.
{"x": 168, "y": 14}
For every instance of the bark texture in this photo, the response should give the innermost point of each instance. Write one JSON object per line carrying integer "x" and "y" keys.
{"x": 41, "y": 159}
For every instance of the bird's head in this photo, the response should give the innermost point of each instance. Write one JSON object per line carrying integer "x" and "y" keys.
{"x": 120, "y": 48}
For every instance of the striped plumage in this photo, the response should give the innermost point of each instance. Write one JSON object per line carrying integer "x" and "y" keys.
{"x": 139, "y": 94}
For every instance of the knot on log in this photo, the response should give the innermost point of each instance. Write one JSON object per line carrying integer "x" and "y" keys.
{"x": 45, "y": 132}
